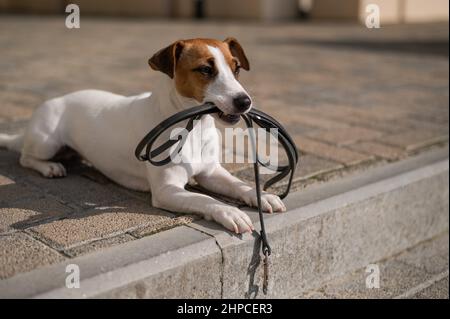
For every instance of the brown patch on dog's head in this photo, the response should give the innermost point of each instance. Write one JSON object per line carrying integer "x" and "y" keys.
{"x": 165, "y": 59}
{"x": 192, "y": 66}
{"x": 237, "y": 51}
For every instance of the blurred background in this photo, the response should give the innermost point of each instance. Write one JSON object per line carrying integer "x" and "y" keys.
{"x": 394, "y": 11}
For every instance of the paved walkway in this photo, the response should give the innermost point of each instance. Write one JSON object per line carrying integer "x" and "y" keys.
{"x": 351, "y": 97}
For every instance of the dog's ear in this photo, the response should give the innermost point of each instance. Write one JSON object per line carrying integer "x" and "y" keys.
{"x": 237, "y": 51}
{"x": 165, "y": 59}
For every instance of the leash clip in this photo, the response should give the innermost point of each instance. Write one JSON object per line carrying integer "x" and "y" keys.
{"x": 266, "y": 271}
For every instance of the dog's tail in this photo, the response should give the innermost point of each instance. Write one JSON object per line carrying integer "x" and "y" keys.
{"x": 12, "y": 142}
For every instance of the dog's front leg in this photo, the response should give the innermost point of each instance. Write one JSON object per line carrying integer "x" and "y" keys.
{"x": 220, "y": 181}
{"x": 170, "y": 194}
{"x": 178, "y": 199}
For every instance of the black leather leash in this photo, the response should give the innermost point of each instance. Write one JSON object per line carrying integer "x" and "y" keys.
{"x": 261, "y": 119}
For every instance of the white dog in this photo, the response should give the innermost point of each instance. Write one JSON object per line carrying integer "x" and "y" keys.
{"x": 105, "y": 128}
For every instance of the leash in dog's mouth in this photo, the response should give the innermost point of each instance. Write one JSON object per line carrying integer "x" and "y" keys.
{"x": 261, "y": 119}
{"x": 229, "y": 118}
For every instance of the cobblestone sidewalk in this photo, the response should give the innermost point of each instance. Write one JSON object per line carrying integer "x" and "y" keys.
{"x": 351, "y": 97}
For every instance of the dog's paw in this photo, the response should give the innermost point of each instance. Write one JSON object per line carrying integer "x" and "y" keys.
{"x": 233, "y": 219}
{"x": 269, "y": 203}
{"x": 51, "y": 170}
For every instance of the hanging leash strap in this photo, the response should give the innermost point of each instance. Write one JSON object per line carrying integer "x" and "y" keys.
{"x": 144, "y": 152}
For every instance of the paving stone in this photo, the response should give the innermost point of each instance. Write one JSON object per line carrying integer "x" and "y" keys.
{"x": 389, "y": 126}
{"x": 164, "y": 225}
{"x": 395, "y": 279}
{"x": 346, "y": 119}
{"x": 78, "y": 190}
{"x": 14, "y": 112}
{"x": 423, "y": 124}
{"x": 10, "y": 191}
{"x": 146, "y": 197}
{"x": 438, "y": 290}
{"x": 378, "y": 113}
{"x": 25, "y": 213}
{"x": 6, "y": 158}
{"x": 235, "y": 167}
{"x": 102, "y": 222}
{"x": 12, "y": 126}
{"x": 94, "y": 175}
{"x": 315, "y": 120}
{"x": 21, "y": 253}
{"x": 378, "y": 149}
{"x": 414, "y": 139}
{"x": 312, "y": 295}
{"x": 345, "y": 136}
{"x": 340, "y": 155}
{"x": 310, "y": 166}
{"x": 10, "y": 167}
{"x": 299, "y": 128}
{"x": 432, "y": 255}
{"x": 99, "y": 244}
{"x": 20, "y": 99}
{"x": 4, "y": 181}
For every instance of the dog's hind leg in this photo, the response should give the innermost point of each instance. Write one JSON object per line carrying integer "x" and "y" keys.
{"x": 40, "y": 145}
{"x": 37, "y": 150}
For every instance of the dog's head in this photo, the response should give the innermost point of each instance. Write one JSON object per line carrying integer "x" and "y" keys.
{"x": 207, "y": 70}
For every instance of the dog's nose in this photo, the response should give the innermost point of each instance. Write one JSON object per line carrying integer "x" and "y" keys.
{"x": 242, "y": 102}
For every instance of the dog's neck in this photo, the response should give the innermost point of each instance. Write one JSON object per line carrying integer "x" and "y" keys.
{"x": 168, "y": 100}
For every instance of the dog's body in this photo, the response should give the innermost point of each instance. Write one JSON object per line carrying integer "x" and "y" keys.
{"x": 105, "y": 129}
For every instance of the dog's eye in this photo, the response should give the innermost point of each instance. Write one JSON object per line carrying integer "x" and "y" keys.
{"x": 205, "y": 70}
{"x": 237, "y": 70}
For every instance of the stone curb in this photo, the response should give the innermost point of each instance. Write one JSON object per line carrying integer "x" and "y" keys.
{"x": 329, "y": 229}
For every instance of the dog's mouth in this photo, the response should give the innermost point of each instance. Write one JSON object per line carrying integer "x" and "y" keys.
{"x": 229, "y": 118}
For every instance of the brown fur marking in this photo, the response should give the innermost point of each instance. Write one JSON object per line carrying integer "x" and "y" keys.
{"x": 194, "y": 54}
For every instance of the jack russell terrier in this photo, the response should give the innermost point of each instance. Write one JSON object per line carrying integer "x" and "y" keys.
{"x": 105, "y": 128}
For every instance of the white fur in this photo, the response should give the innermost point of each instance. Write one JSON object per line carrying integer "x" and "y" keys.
{"x": 105, "y": 129}
{"x": 225, "y": 87}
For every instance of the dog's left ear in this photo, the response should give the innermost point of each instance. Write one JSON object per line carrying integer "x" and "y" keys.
{"x": 165, "y": 60}
{"x": 237, "y": 51}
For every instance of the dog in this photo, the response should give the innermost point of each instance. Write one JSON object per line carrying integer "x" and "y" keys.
{"x": 104, "y": 128}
